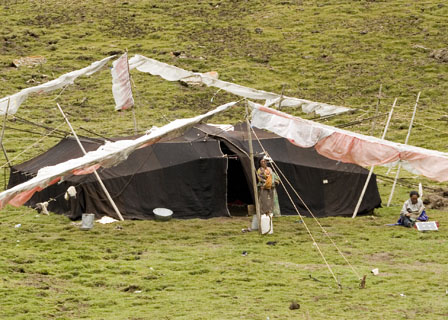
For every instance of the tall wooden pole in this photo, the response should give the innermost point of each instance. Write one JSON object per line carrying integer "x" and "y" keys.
{"x": 135, "y": 120}
{"x": 405, "y": 142}
{"x": 3, "y": 133}
{"x": 94, "y": 172}
{"x": 355, "y": 212}
{"x": 372, "y": 130}
{"x": 252, "y": 169}
{"x": 1, "y": 142}
{"x": 281, "y": 97}
{"x": 133, "y": 107}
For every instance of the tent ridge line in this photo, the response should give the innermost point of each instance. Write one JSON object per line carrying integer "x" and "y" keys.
{"x": 216, "y": 136}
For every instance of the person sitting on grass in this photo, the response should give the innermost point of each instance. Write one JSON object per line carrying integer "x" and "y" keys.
{"x": 413, "y": 210}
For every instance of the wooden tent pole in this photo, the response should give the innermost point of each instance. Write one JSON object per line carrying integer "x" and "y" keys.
{"x": 61, "y": 132}
{"x": 133, "y": 107}
{"x": 94, "y": 171}
{"x": 352, "y": 123}
{"x": 135, "y": 120}
{"x": 372, "y": 130}
{"x": 405, "y": 142}
{"x": 361, "y": 197}
{"x": 252, "y": 169}
{"x": 4, "y": 120}
{"x": 97, "y": 134}
{"x": 34, "y": 132}
{"x": 281, "y": 98}
{"x": 1, "y": 142}
{"x": 3, "y": 133}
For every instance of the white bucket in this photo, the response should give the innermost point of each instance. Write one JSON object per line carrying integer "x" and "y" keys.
{"x": 162, "y": 214}
{"x": 87, "y": 221}
{"x": 254, "y": 225}
{"x": 267, "y": 226}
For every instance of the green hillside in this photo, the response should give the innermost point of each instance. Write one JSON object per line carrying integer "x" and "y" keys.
{"x": 337, "y": 52}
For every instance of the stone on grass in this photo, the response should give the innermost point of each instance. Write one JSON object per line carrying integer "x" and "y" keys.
{"x": 440, "y": 54}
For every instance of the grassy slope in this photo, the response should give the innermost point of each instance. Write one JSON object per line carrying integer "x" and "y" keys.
{"x": 194, "y": 269}
{"x": 332, "y": 52}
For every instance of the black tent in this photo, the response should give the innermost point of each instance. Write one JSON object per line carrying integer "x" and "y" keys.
{"x": 201, "y": 174}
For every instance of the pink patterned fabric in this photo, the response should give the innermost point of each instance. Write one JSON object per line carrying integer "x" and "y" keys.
{"x": 23, "y": 197}
{"x": 346, "y": 146}
{"x": 351, "y": 149}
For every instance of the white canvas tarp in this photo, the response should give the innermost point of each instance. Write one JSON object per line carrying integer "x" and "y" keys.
{"x": 170, "y": 73}
{"x": 121, "y": 83}
{"x": 18, "y": 98}
{"x": 173, "y": 73}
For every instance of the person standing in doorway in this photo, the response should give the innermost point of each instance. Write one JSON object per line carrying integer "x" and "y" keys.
{"x": 265, "y": 177}
{"x": 265, "y": 187}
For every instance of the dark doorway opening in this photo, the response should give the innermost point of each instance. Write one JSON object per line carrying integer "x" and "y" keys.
{"x": 238, "y": 192}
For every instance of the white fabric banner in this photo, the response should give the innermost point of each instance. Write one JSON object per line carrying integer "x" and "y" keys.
{"x": 172, "y": 73}
{"x": 18, "y": 98}
{"x": 121, "y": 83}
{"x": 157, "y": 68}
{"x": 287, "y": 127}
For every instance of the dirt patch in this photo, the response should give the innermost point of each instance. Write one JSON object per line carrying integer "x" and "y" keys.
{"x": 288, "y": 264}
{"x": 386, "y": 274}
{"x": 292, "y": 265}
{"x": 233, "y": 41}
{"x": 381, "y": 257}
{"x": 440, "y": 54}
{"x": 42, "y": 283}
{"x": 131, "y": 288}
{"x": 417, "y": 266}
{"x": 438, "y": 200}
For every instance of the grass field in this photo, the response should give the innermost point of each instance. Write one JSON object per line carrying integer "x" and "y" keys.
{"x": 195, "y": 269}
{"x": 337, "y": 52}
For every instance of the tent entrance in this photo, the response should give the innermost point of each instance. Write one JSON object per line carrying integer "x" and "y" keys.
{"x": 238, "y": 192}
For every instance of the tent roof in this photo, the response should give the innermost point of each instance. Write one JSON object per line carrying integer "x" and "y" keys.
{"x": 280, "y": 149}
{"x": 67, "y": 148}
